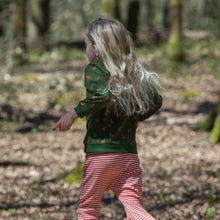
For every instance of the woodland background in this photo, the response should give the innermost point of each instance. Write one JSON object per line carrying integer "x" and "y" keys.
{"x": 42, "y": 57}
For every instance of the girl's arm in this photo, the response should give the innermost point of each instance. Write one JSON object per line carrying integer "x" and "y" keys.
{"x": 97, "y": 96}
{"x": 97, "y": 92}
{"x": 66, "y": 121}
{"x": 157, "y": 103}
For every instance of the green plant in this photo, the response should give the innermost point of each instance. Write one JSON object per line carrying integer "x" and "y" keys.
{"x": 33, "y": 217}
{"x": 12, "y": 211}
{"x": 213, "y": 200}
{"x": 162, "y": 196}
{"x": 209, "y": 211}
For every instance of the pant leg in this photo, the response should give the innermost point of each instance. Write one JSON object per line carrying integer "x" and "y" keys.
{"x": 98, "y": 173}
{"x": 128, "y": 189}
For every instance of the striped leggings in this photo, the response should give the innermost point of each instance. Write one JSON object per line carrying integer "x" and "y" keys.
{"x": 119, "y": 172}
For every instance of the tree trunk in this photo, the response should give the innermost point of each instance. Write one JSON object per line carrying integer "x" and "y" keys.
{"x": 133, "y": 15}
{"x": 201, "y": 14}
{"x": 111, "y": 9}
{"x": 175, "y": 48}
{"x": 41, "y": 20}
{"x": 166, "y": 20}
{"x": 149, "y": 14}
{"x": 20, "y": 30}
{"x": 20, "y": 23}
{"x": 212, "y": 123}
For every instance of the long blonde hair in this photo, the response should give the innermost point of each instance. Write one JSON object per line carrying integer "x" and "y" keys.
{"x": 130, "y": 84}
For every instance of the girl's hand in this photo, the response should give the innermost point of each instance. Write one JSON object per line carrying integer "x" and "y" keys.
{"x": 66, "y": 121}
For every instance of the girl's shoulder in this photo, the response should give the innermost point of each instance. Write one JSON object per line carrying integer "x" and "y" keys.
{"x": 96, "y": 67}
{"x": 95, "y": 64}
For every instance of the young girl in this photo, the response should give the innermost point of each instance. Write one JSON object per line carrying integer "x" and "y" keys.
{"x": 119, "y": 93}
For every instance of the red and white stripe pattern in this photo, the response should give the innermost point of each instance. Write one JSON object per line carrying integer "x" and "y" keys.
{"x": 119, "y": 172}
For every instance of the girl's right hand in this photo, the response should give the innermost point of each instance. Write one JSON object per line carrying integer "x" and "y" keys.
{"x": 66, "y": 121}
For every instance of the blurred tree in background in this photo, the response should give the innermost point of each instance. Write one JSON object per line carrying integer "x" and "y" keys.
{"x": 133, "y": 16}
{"x": 40, "y": 19}
{"x": 175, "y": 44}
{"x": 52, "y": 21}
{"x": 111, "y": 8}
{"x": 20, "y": 27}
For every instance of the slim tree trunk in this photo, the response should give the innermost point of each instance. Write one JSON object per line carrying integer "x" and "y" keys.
{"x": 133, "y": 15}
{"x": 175, "y": 48}
{"x": 166, "y": 20}
{"x": 149, "y": 14}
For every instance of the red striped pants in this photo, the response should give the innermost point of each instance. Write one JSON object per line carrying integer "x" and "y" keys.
{"x": 119, "y": 172}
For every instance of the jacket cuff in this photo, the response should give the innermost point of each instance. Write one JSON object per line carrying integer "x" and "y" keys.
{"x": 79, "y": 111}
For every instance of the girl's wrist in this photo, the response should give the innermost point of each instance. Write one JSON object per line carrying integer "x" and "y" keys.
{"x": 73, "y": 113}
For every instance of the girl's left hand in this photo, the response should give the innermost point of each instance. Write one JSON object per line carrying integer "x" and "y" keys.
{"x": 66, "y": 121}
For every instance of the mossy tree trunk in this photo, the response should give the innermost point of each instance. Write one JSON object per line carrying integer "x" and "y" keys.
{"x": 111, "y": 9}
{"x": 212, "y": 123}
{"x": 175, "y": 47}
{"x": 133, "y": 15}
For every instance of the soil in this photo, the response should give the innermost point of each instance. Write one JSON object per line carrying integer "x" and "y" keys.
{"x": 181, "y": 169}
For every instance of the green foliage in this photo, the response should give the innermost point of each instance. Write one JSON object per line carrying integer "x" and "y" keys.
{"x": 80, "y": 121}
{"x": 213, "y": 200}
{"x": 12, "y": 211}
{"x": 162, "y": 196}
{"x": 187, "y": 94}
{"x": 205, "y": 49}
{"x": 210, "y": 172}
{"x": 4, "y": 123}
{"x": 209, "y": 211}
{"x": 75, "y": 175}
{"x": 50, "y": 218}
{"x": 60, "y": 100}
{"x": 34, "y": 217}
{"x": 55, "y": 55}
{"x": 28, "y": 77}
{"x": 38, "y": 129}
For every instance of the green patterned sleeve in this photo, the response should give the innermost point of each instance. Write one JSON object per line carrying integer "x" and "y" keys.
{"x": 97, "y": 92}
{"x": 154, "y": 107}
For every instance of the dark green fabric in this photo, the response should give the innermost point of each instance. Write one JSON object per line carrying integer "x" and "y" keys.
{"x": 108, "y": 131}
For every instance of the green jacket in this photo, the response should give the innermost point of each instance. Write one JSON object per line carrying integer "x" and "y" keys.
{"x": 106, "y": 130}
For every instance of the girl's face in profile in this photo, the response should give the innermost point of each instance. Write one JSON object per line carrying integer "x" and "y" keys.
{"x": 90, "y": 50}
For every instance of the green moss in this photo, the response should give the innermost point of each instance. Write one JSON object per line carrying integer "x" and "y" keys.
{"x": 61, "y": 100}
{"x": 175, "y": 48}
{"x": 80, "y": 121}
{"x": 4, "y": 123}
{"x": 187, "y": 94}
{"x": 75, "y": 175}
{"x": 215, "y": 133}
{"x": 207, "y": 124}
{"x": 12, "y": 211}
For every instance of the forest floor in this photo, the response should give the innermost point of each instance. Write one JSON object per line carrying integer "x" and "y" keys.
{"x": 181, "y": 168}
